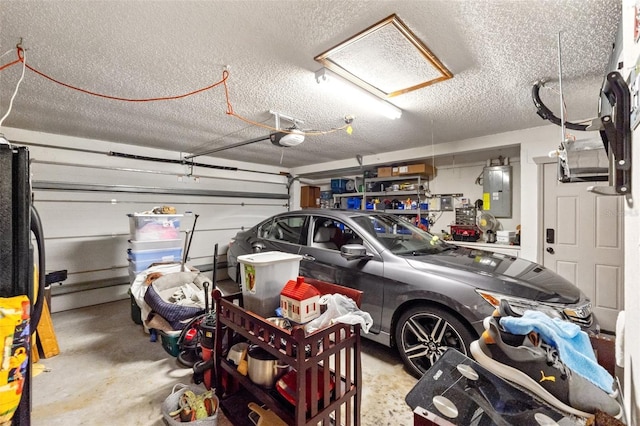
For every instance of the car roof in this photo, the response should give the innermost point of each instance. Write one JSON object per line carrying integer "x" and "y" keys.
{"x": 334, "y": 212}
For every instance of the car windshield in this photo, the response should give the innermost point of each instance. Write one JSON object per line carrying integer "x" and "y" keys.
{"x": 400, "y": 236}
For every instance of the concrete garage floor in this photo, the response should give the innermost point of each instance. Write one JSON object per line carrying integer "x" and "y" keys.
{"x": 109, "y": 373}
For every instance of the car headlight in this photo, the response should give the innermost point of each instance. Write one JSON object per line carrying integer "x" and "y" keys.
{"x": 519, "y": 305}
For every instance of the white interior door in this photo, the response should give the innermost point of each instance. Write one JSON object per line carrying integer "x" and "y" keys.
{"x": 583, "y": 241}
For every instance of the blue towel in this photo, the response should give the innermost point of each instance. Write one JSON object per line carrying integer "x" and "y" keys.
{"x": 573, "y": 344}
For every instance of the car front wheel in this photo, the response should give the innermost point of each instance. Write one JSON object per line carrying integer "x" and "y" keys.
{"x": 424, "y": 333}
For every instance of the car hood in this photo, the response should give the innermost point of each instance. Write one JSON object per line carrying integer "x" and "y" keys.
{"x": 499, "y": 273}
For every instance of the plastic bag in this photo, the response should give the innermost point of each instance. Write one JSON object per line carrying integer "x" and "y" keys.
{"x": 340, "y": 308}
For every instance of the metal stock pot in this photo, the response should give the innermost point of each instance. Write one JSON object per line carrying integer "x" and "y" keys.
{"x": 264, "y": 368}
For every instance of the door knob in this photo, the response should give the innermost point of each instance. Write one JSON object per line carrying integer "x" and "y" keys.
{"x": 550, "y": 250}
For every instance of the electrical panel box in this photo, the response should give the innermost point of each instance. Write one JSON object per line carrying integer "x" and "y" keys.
{"x": 496, "y": 197}
{"x": 446, "y": 203}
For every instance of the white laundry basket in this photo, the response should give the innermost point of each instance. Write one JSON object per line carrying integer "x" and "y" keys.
{"x": 171, "y": 404}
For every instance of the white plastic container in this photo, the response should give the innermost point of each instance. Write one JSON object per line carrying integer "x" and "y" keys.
{"x": 263, "y": 276}
{"x": 155, "y": 244}
{"x": 147, "y": 227}
{"x": 162, "y": 255}
{"x": 142, "y": 260}
{"x": 505, "y": 237}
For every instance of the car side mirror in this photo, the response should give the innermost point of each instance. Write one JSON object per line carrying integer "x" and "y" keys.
{"x": 354, "y": 251}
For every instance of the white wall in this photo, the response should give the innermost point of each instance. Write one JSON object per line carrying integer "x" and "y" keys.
{"x": 534, "y": 142}
{"x": 631, "y": 52}
{"x": 461, "y": 178}
{"x": 533, "y": 145}
{"x": 87, "y": 232}
{"x": 80, "y": 224}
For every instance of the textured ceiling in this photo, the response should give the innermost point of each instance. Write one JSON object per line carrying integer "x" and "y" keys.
{"x": 495, "y": 49}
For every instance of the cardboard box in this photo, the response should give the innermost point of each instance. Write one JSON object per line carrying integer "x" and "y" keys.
{"x": 422, "y": 169}
{"x": 309, "y": 196}
{"x": 505, "y": 237}
{"x": 384, "y": 171}
{"x": 604, "y": 346}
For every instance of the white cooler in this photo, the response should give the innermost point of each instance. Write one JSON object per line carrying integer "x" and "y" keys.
{"x": 263, "y": 276}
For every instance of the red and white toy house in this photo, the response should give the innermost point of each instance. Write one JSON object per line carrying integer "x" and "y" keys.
{"x": 300, "y": 302}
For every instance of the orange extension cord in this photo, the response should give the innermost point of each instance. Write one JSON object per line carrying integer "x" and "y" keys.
{"x": 225, "y": 76}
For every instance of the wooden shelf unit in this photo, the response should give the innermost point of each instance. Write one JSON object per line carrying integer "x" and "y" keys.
{"x": 309, "y": 196}
{"x": 336, "y": 347}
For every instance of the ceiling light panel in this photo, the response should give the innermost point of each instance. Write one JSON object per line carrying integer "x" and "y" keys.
{"x": 343, "y": 88}
{"x": 386, "y": 59}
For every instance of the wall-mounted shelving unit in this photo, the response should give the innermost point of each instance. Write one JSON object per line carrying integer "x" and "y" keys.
{"x": 417, "y": 194}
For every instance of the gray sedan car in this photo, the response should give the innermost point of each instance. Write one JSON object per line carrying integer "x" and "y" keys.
{"x": 424, "y": 294}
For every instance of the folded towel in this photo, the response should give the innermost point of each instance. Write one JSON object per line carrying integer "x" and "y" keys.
{"x": 573, "y": 344}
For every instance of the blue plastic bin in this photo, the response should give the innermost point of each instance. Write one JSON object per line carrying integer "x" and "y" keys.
{"x": 354, "y": 203}
{"x": 142, "y": 259}
{"x": 338, "y": 186}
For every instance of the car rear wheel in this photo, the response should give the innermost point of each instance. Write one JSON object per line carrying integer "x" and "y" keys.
{"x": 424, "y": 333}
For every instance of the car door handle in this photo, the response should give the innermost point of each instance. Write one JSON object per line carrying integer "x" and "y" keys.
{"x": 550, "y": 250}
{"x": 308, "y": 257}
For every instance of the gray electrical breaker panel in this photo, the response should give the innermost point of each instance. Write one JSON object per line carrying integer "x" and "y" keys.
{"x": 496, "y": 196}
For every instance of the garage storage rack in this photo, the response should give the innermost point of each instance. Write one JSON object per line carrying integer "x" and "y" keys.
{"x": 330, "y": 355}
{"x": 409, "y": 190}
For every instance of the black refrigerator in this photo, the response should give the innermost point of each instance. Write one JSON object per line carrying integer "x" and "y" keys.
{"x": 21, "y": 256}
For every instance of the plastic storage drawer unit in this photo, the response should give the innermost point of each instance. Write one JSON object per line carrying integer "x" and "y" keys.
{"x": 146, "y": 227}
{"x": 164, "y": 255}
{"x": 154, "y": 245}
{"x": 141, "y": 260}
